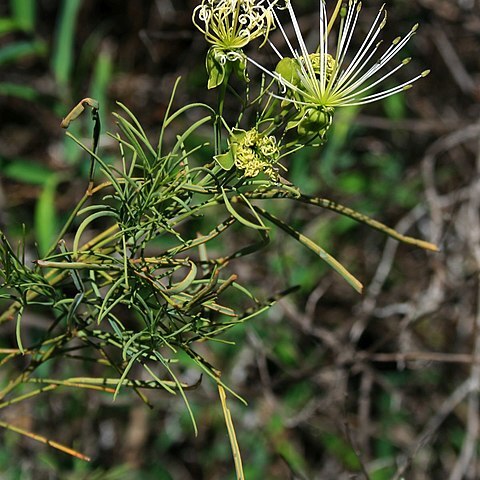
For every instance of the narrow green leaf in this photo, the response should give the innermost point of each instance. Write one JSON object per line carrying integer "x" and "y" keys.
{"x": 237, "y": 458}
{"x": 130, "y": 364}
{"x": 62, "y": 58}
{"x": 235, "y": 214}
{"x": 335, "y": 264}
{"x": 20, "y": 91}
{"x": 46, "y": 220}
{"x": 18, "y": 50}
{"x": 136, "y": 126}
{"x": 186, "y": 282}
{"x": 26, "y": 171}
{"x": 133, "y": 136}
{"x": 179, "y": 386}
{"x": 24, "y": 13}
{"x": 7, "y": 25}
{"x": 347, "y": 212}
{"x": 18, "y": 331}
{"x": 84, "y": 225}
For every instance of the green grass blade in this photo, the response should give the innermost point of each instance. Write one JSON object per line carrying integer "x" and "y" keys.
{"x": 24, "y": 12}
{"x": 7, "y": 25}
{"x": 18, "y": 50}
{"x": 20, "y": 91}
{"x": 45, "y": 215}
{"x": 25, "y": 171}
{"x": 63, "y": 55}
{"x": 102, "y": 75}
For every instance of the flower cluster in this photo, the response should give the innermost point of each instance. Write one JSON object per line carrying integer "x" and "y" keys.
{"x": 312, "y": 83}
{"x": 253, "y": 153}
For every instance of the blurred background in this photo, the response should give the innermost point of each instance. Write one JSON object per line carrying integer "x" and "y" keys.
{"x": 383, "y": 385}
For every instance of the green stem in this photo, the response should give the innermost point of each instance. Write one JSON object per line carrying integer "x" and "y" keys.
{"x": 218, "y": 119}
{"x": 343, "y": 210}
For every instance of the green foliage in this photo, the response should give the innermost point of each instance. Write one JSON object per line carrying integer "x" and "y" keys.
{"x": 337, "y": 446}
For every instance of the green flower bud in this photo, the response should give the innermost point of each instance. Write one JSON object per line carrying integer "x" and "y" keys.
{"x": 315, "y": 121}
{"x": 220, "y": 62}
{"x": 288, "y": 69}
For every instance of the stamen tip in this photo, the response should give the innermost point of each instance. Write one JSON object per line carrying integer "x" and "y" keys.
{"x": 425, "y": 73}
{"x": 406, "y": 60}
{"x": 407, "y": 87}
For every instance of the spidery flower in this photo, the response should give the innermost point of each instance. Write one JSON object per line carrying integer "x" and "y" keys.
{"x": 316, "y": 83}
{"x": 229, "y": 25}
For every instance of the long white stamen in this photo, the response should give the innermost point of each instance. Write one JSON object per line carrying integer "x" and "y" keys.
{"x": 392, "y": 91}
{"x": 346, "y": 36}
{"x": 275, "y": 49}
{"x": 292, "y": 100}
{"x": 352, "y": 83}
{"x": 301, "y": 43}
{"x": 394, "y": 48}
{"x": 332, "y": 85}
{"x": 285, "y": 36}
{"x": 397, "y": 46}
{"x": 380, "y": 80}
{"x": 363, "y": 50}
{"x": 323, "y": 46}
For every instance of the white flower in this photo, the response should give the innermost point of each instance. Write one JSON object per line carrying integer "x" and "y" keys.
{"x": 232, "y": 24}
{"x": 229, "y": 25}
{"x": 324, "y": 79}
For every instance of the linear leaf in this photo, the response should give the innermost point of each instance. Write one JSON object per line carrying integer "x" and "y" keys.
{"x": 335, "y": 264}
{"x": 235, "y": 214}
{"x": 62, "y": 57}
{"x": 46, "y": 220}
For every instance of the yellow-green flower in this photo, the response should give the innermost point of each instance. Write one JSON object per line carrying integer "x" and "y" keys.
{"x": 329, "y": 78}
{"x": 251, "y": 152}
